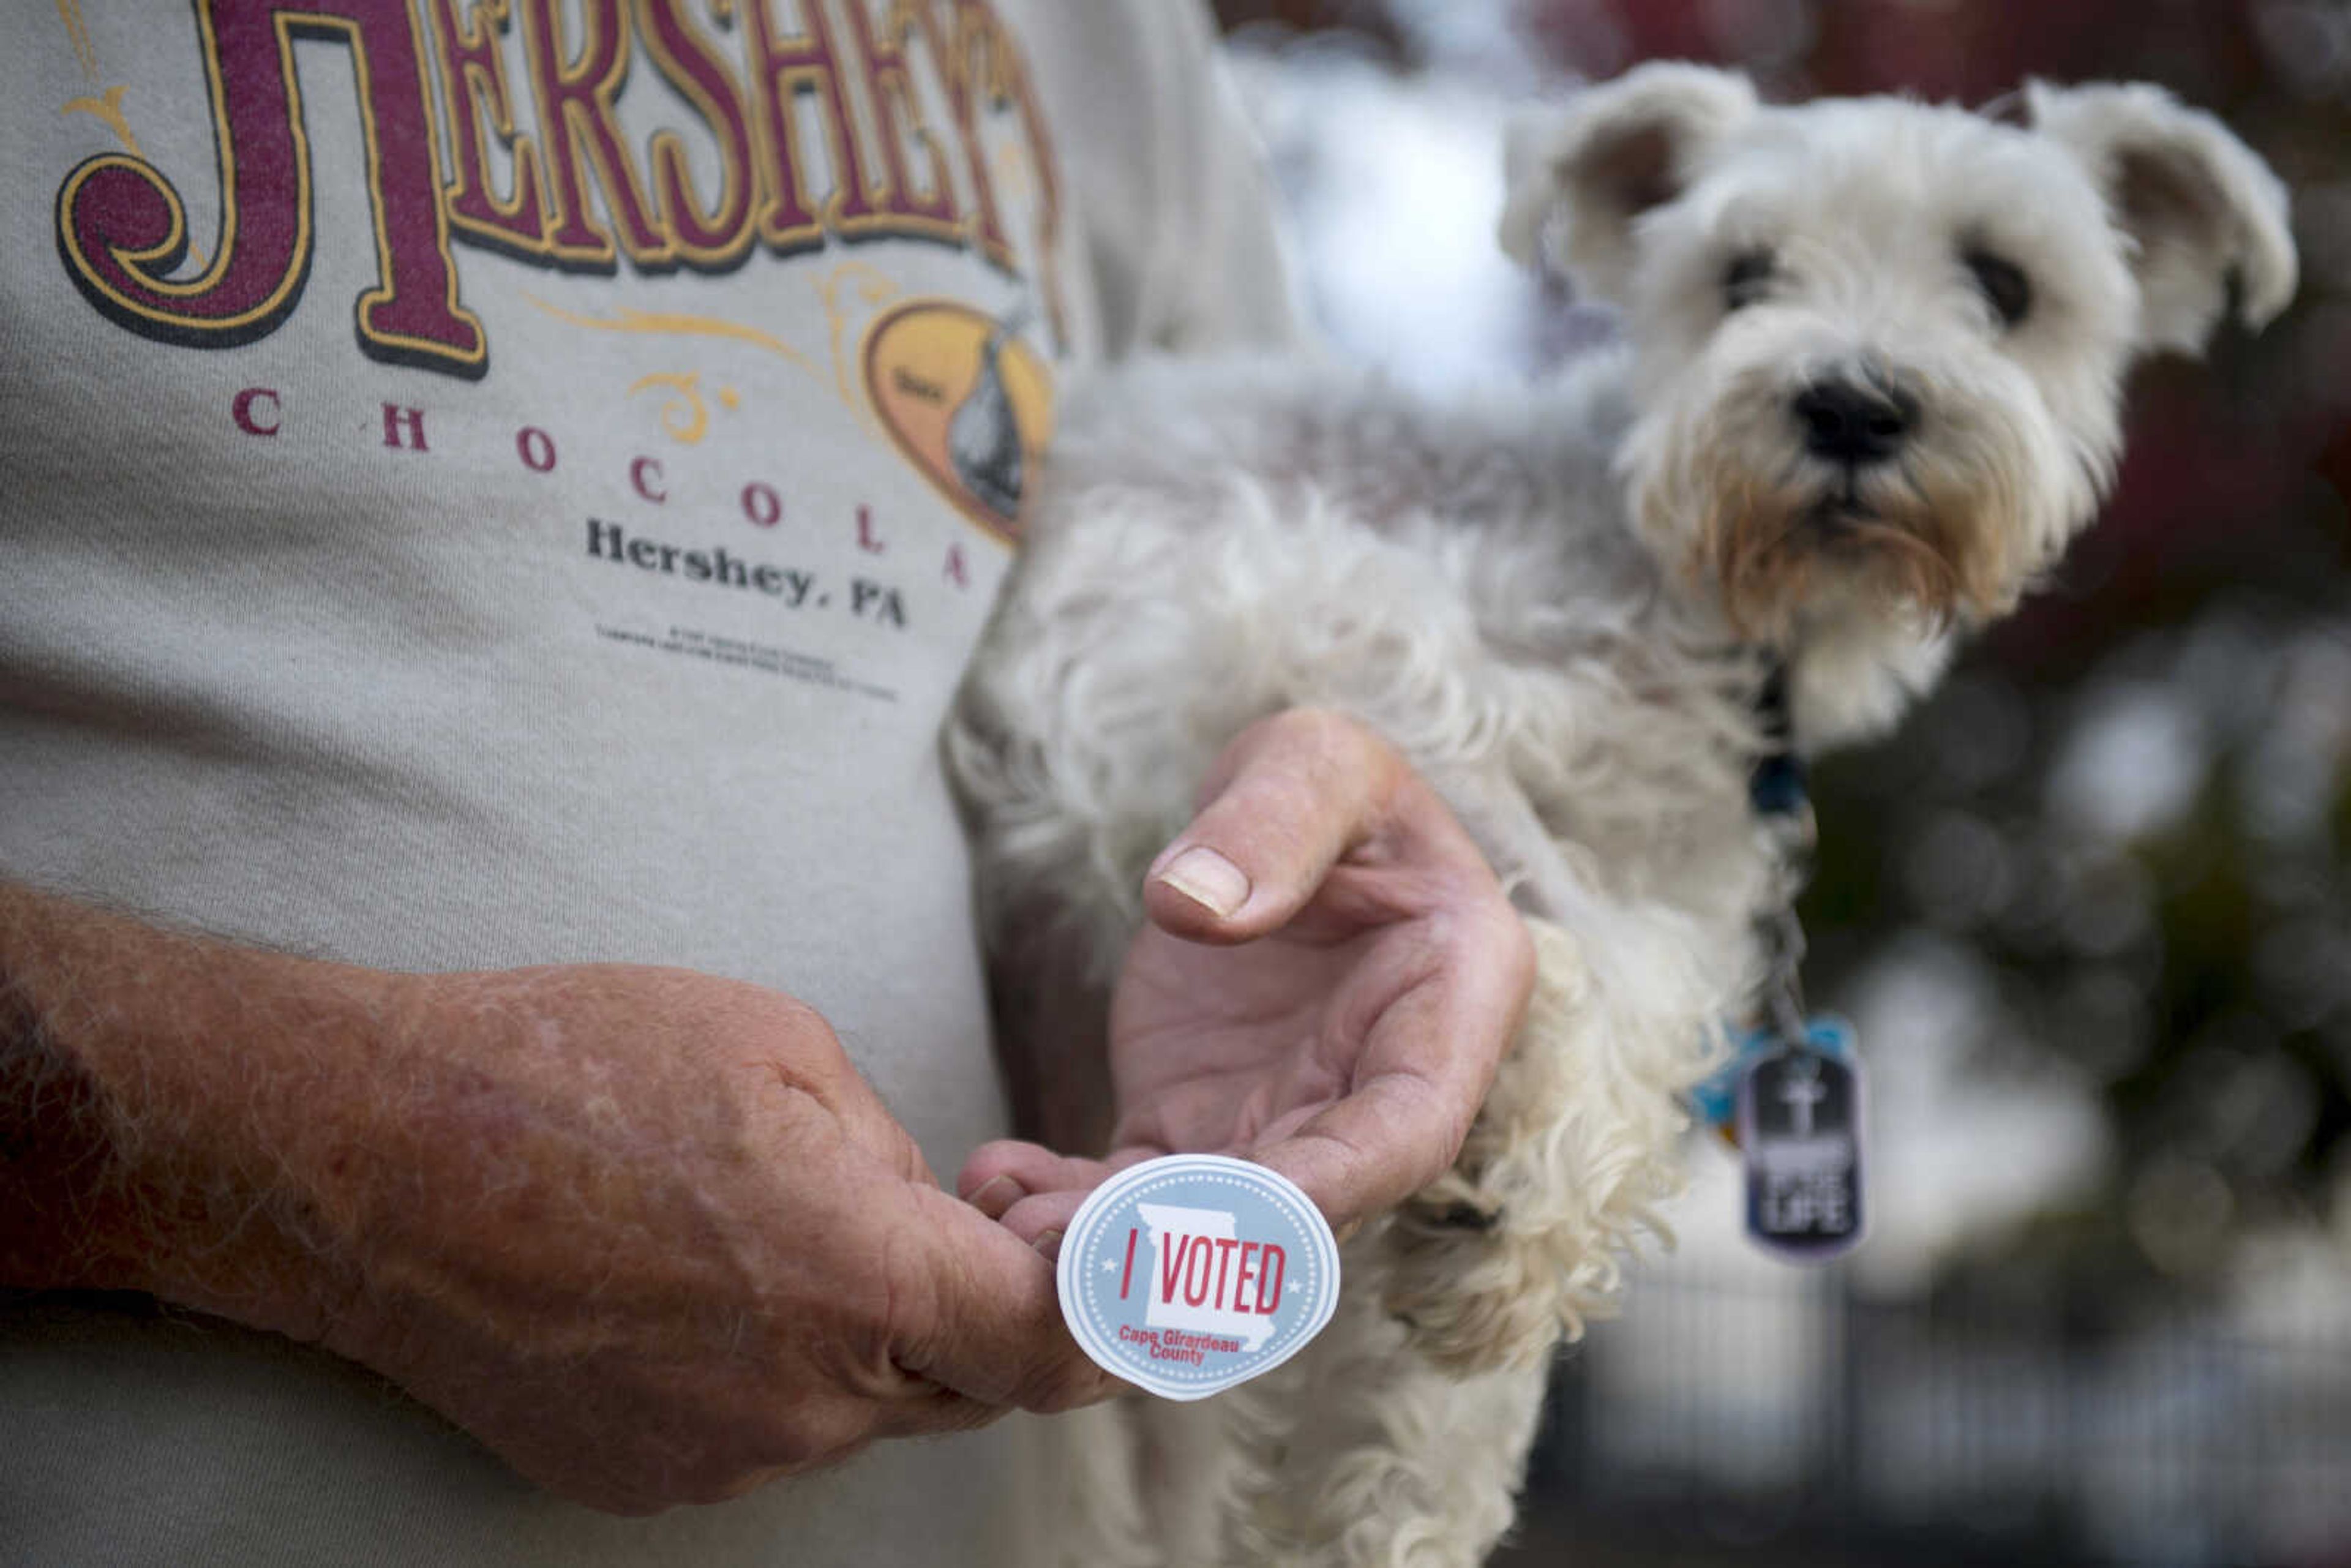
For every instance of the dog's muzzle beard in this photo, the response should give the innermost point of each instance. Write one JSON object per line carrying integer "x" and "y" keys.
{"x": 1744, "y": 504}
{"x": 1774, "y": 550}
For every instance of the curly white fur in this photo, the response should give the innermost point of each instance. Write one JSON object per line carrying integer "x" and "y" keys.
{"x": 1558, "y": 604}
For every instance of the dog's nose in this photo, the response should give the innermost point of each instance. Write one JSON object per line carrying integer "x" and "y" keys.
{"x": 1848, "y": 423}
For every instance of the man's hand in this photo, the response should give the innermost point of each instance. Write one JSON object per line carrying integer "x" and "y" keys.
{"x": 645, "y": 1233}
{"x": 667, "y": 1245}
{"x": 1328, "y": 980}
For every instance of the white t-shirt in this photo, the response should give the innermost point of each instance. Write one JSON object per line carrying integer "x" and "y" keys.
{"x": 487, "y": 484}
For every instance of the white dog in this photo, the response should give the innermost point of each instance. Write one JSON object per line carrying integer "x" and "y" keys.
{"x": 1870, "y": 389}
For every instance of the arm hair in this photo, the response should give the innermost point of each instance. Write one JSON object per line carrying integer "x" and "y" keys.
{"x": 161, "y": 1096}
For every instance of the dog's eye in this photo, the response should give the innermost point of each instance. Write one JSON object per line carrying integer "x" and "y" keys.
{"x": 1746, "y": 279}
{"x": 2003, "y": 283}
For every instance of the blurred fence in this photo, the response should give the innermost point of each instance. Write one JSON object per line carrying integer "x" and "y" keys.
{"x": 1816, "y": 1426}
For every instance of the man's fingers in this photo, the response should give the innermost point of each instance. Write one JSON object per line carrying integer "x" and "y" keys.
{"x": 1284, "y": 802}
{"x": 1001, "y": 1174}
{"x": 928, "y": 1415}
{"x": 1370, "y": 1151}
{"x": 979, "y": 1314}
{"x": 1428, "y": 1062}
{"x": 1043, "y": 1219}
{"x": 1033, "y": 1192}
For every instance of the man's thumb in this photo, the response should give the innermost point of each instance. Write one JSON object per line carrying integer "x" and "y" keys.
{"x": 986, "y": 1316}
{"x": 1290, "y": 796}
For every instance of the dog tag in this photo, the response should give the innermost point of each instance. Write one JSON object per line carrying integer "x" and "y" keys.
{"x": 1799, "y": 1119}
{"x": 1187, "y": 1274}
{"x": 1715, "y": 1102}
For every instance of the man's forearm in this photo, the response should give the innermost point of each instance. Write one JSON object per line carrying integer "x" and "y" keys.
{"x": 164, "y": 1100}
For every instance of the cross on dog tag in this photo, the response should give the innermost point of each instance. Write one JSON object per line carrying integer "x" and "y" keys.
{"x": 1800, "y": 1118}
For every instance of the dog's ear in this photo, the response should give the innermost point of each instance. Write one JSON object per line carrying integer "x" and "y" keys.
{"x": 2203, "y": 213}
{"x": 1578, "y": 177}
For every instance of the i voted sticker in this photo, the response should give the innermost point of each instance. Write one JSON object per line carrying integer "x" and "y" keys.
{"x": 1187, "y": 1274}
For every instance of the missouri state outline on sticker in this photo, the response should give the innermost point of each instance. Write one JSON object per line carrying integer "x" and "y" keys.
{"x": 1204, "y": 1279}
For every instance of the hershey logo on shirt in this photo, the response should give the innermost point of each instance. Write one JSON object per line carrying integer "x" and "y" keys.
{"x": 870, "y": 161}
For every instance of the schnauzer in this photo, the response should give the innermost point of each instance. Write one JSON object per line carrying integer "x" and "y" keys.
{"x": 1869, "y": 388}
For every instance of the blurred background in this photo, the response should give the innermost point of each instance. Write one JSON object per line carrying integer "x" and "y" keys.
{"x": 2091, "y": 908}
